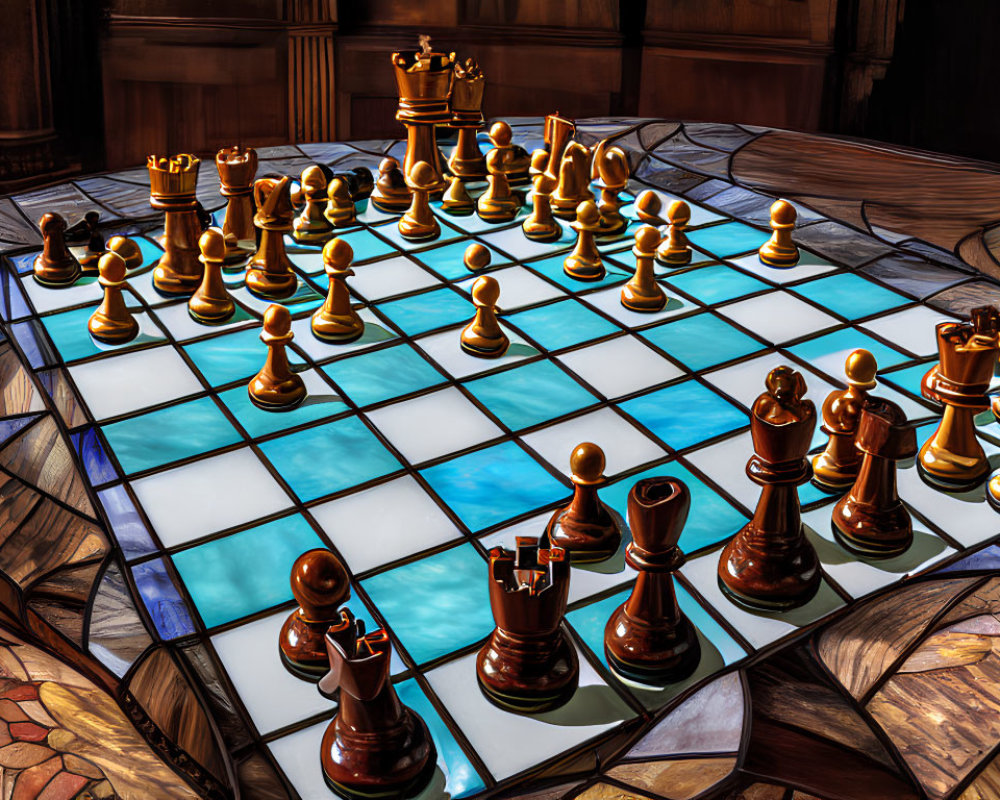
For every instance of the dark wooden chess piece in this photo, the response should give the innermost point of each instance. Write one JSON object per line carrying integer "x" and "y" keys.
{"x": 952, "y": 458}
{"x": 320, "y": 586}
{"x": 540, "y": 225}
{"x": 237, "y": 167}
{"x": 514, "y": 159}
{"x": 648, "y": 208}
{"x": 55, "y": 266}
{"x": 211, "y": 303}
{"x": 112, "y": 322}
{"x": 483, "y": 337}
{"x": 837, "y": 466}
{"x": 870, "y": 519}
{"x": 611, "y": 165}
{"x": 584, "y": 528}
{"x": 780, "y": 250}
{"x": 312, "y": 225}
{"x": 584, "y": 263}
{"x": 675, "y": 250}
{"x": 340, "y": 210}
{"x": 648, "y": 638}
{"x": 498, "y": 203}
{"x": 374, "y": 747}
{"x": 419, "y": 222}
{"x": 642, "y": 293}
{"x": 391, "y": 194}
{"x": 528, "y": 664}
{"x": 467, "y": 162}
{"x": 770, "y": 564}
{"x": 276, "y": 387}
{"x": 574, "y": 181}
{"x": 269, "y": 273}
{"x": 87, "y": 229}
{"x": 336, "y": 320}
{"x": 172, "y": 185}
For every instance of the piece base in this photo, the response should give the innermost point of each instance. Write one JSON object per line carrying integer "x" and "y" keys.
{"x": 542, "y": 235}
{"x": 528, "y": 704}
{"x": 638, "y": 673}
{"x": 411, "y": 789}
{"x": 174, "y": 285}
{"x": 276, "y": 406}
{"x": 481, "y": 352}
{"x": 868, "y": 549}
{"x": 459, "y": 209}
{"x": 763, "y": 604}
{"x": 948, "y": 484}
{"x": 779, "y": 262}
{"x": 307, "y": 237}
{"x": 644, "y": 305}
{"x": 679, "y": 259}
{"x": 64, "y": 282}
{"x": 343, "y": 336}
{"x": 420, "y": 235}
{"x": 267, "y": 287}
{"x": 123, "y": 337}
{"x": 589, "y": 275}
{"x": 305, "y": 672}
{"x": 211, "y": 318}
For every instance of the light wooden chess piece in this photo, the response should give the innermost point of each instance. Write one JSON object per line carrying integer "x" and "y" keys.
{"x": 312, "y": 225}
{"x": 675, "y": 249}
{"x": 340, "y": 210}
{"x": 514, "y": 160}
{"x": 211, "y": 303}
{"x": 483, "y": 336}
{"x": 55, "y": 266}
{"x": 498, "y": 203}
{"x": 476, "y": 257}
{"x": 612, "y": 168}
{"x": 269, "y": 273}
{"x": 780, "y": 250}
{"x": 237, "y": 166}
{"x": 642, "y": 293}
{"x": 172, "y": 189}
{"x": 336, "y": 320}
{"x": 391, "y": 194}
{"x": 128, "y": 250}
{"x": 539, "y": 161}
{"x": 584, "y": 263}
{"x": 649, "y": 207}
{"x": 276, "y": 387}
{"x": 112, "y": 322}
{"x": 419, "y": 222}
{"x": 574, "y": 181}
{"x": 456, "y": 199}
{"x": 541, "y": 226}
{"x": 837, "y": 466}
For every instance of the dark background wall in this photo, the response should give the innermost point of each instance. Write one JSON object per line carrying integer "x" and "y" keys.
{"x": 100, "y": 84}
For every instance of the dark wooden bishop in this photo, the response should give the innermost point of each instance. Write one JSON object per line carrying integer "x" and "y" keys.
{"x": 648, "y": 638}
{"x": 770, "y": 564}
{"x": 871, "y": 519}
{"x": 374, "y": 746}
{"x": 528, "y": 664}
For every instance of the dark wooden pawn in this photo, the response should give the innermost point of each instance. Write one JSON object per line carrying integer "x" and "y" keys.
{"x": 770, "y": 564}
{"x": 648, "y": 638}
{"x": 55, "y": 266}
{"x": 585, "y": 528}
{"x": 375, "y": 747}
{"x": 870, "y": 519}
{"x": 528, "y": 664}
{"x": 320, "y": 586}
{"x": 87, "y": 230}
{"x": 391, "y": 194}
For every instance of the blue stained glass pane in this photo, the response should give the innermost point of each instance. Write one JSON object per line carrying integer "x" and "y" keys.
{"x": 8, "y": 427}
{"x": 163, "y": 601}
{"x": 34, "y": 343}
{"x": 95, "y": 461}
{"x": 127, "y": 525}
{"x": 12, "y": 294}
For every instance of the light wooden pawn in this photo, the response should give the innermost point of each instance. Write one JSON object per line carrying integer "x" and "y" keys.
{"x": 336, "y": 320}
{"x": 211, "y": 303}
{"x": 642, "y": 293}
{"x": 483, "y": 337}
{"x": 675, "y": 249}
{"x": 112, "y": 322}
{"x": 780, "y": 250}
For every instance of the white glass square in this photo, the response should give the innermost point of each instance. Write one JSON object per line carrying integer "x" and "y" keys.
{"x": 519, "y": 288}
{"x": 610, "y": 302}
{"x": 810, "y": 266}
{"x": 445, "y": 349}
{"x": 389, "y": 278}
{"x": 912, "y": 329}
{"x": 45, "y": 298}
{"x": 182, "y": 326}
{"x": 620, "y": 366}
{"x": 375, "y": 331}
{"x": 778, "y": 317}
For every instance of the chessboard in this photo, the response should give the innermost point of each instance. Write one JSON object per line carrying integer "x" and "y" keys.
{"x": 410, "y": 458}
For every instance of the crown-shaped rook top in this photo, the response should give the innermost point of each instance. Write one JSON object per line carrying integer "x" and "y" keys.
{"x": 467, "y": 94}
{"x": 424, "y": 82}
{"x": 175, "y": 177}
{"x": 782, "y": 422}
{"x": 967, "y": 352}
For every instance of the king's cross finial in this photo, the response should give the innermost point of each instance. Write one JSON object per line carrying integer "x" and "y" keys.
{"x": 425, "y": 43}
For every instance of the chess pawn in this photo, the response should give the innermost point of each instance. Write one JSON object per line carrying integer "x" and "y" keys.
{"x": 476, "y": 257}
{"x": 128, "y": 250}
{"x": 528, "y": 665}
{"x": 483, "y": 336}
{"x": 585, "y": 529}
{"x": 340, "y": 210}
{"x": 540, "y": 225}
{"x": 237, "y": 166}
{"x": 55, "y": 266}
{"x": 612, "y": 167}
{"x": 391, "y": 193}
{"x": 276, "y": 387}
{"x": 648, "y": 207}
{"x": 514, "y": 159}
{"x": 374, "y": 747}
{"x": 320, "y": 586}
{"x": 574, "y": 181}
{"x": 336, "y": 320}
{"x": 112, "y": 322}
{"x": 269, "y": 273}
{"x": 837, "y": 466}
{"x": 456, "y": 199}
{"x": 770, "y": 564}
{"x": 312, "y": 225}
{"x": 780, "y": 250}
{"x": 648, "y": 638}
{"x": 584, "y": 263}
{"x": 675, "y": 249}
{"x": 498, "y": 203}
{"x": 953, "y": 458}
{"x": 642, "y": 293}
{"x": 95, "y": 242}
{"x": 419, "y": 221}
{"x": 870, "y": 519}
{"x": 211, "y": 303}
{"x": 539, "y": 160}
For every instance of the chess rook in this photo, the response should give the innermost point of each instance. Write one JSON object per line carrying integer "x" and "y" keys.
{"x": 540, "y": 225}
{"x": 419, "y": 222}
{"x": 269, "y": 273}
{"x": 870, "y": 519}
{"x": 675, "y": 250}
{"x": 237, "y": 167}
{"x": 585, "y": 529}
{"x": 55, "y": 266}
{"x": 528, "y": 664}
{"x": 172, "y": 184}
{"x": 467, "y": 161}
{"x": 584, "y": 263}
{"x": 648, "y": 638}
{"x": 642, "y": 293}
{"x": 312, "y": 225}
{"x": 483, "y": 337}
{"x": 211, "y": 303}
{"x": 276, "y": 387}
{"x": 498, "y": 203}
{"x": 336, "y": 321}
{"x": 780, "y": 250}
{"x": 770, "y": 564}
{"x": 112, "y": 322}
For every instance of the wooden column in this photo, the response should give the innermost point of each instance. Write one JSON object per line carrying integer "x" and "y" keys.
{"x": 311, "y": 27}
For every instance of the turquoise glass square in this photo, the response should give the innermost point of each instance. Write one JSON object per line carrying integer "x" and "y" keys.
{"x": 530, "y": 395}
{"x": 493, "y": 485}
{"x": 246, "y": 572}
{"x": 69, "y": 333}
{"x": 562, "y": 324}
{"x": 728, "y": 239}
{"x": 552, "y": 268}
{"x": 391, "y": 232}
{"x": 716, "y": 284}
{"x": 702, "y": 341}
{"x": 420, "y": 313}
{"x": 448, "y": 261}
{"x": 908, "y": 379}
{"x": 850, "y": 295}
{"x": 367, "y": 245}
{"x": 258, "y": 422}
{"x": 329, "y": 458}
{"x": 150, "y": 250}
{"x": 170, "y": 434}
{"x": 232, "y": 356}
{"x": 436, "y": 605}
{"x": 846, "y": 340}
{"x": 383, "y": 374}
{"x": 685, "y": 414}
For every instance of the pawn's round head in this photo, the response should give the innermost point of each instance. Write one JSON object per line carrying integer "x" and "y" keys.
{"x": 861, "y": 368}
{"x": 421, "y": 176}
{"x": 539, "y": 160}
{"x": 127, "y": 249}
{"x": 500, "y": 133}
{"x": 485, "y": 291}
{"x": 678, "y": 213}
{"x": 51, "y": 223}
{"x": 648, "y": 204}
{"x": 319, "y": 584}
{"x": 476, "y": 257}
{"x": 313, "y": 180}
{"x": 92, "y": 218}
{"x": 387, "y": 164}
{"x": 277, "y": 320}
{"x": 586, "y": 462}
{"x": 587, "y": 213}
{"x": 783, "y": 213}
{"x": 647, "y": 239}
{"x": 337, "y": 254}
{"x": 212, "y": 244}
{"x": 111, "y": 267}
